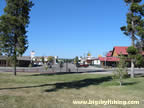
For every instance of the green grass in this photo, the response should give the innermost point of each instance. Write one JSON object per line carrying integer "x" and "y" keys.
{"x": 59, "y": 91}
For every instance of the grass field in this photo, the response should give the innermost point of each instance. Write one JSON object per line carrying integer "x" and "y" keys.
{"x": 59, "y": 91}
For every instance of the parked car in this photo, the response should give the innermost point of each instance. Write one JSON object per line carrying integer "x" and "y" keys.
{"x": 83, "y": 65}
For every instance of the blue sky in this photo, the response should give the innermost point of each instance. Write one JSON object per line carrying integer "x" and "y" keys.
{"x": 69, "y": 28}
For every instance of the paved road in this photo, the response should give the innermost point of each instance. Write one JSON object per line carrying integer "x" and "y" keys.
{"x": 70, "y": 67}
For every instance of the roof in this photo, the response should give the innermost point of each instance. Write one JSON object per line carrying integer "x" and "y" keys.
{"x": 109, "y": 54}
{"x": 112, "y": 59}
{"x": 3, "y": 57}
{"x": 24, "y": 58}
{"x": 120, "y": 50}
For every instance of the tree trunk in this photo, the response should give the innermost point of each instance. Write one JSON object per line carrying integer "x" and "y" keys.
{"x": 14, "y": 69}
{"x": 66, "y": 66}
{"x": 133, "y": 44}
{"x": 7, "y": 63}
{"x": 132, "y": 60}
{"x": 132, "y": 68}
{"x": 133, "y": 37}
{"x": 120, "y": 79}
{"x": 15, "y": 60}
{"x": 120, "y": 83}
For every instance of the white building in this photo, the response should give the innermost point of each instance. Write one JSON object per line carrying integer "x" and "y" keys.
{"x": 90, "y": 60}
{"x": 96, "y": 62}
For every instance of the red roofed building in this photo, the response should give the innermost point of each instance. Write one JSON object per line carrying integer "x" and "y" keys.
{"x": 109, "y": 59}
{"x": 119, "y": 50}
{"x": 109, "y": 54}
{"x": 112, "y": 58}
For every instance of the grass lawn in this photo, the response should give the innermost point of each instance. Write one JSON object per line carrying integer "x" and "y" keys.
{"x": 59, "y": 91}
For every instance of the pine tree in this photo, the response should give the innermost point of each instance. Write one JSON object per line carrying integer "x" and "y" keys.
{"x": 13, "y": 24}
{"x": 121, "y": 71}
{"x": 135, "y": 25}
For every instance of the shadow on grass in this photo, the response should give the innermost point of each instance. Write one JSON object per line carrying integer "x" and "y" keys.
{"x": 63, "y": 73}
{"x": 79, "y": 84}
{"x": 129, "y": 83}
{"x": 68, "y": 85}
{"x": 139, "y": 75}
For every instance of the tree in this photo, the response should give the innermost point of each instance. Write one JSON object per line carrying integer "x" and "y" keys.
{"x": 50, "y": 59}
{"x": 135, "y": 24}
{"x": 139, "y": 60}
{"x": 76, "y": 60}
{"x": 61, "y": 64}
{"x": 132, "y": 51}
{"x": 13, "y": 38}
{"x": 43, "y": 59}
{"x": 121, "y": 71}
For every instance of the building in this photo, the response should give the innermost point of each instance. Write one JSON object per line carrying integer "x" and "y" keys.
{"x": 40, "y": 60}
{"x": 23, "y": 61}
{"x": 89, "y": 60}
{"x": 96, "y": 62}
{"x": 112, "y": 57}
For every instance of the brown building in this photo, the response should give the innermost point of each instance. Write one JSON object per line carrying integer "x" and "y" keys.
{"x": 23, "y": 61}
{"x": 112, "y": 57}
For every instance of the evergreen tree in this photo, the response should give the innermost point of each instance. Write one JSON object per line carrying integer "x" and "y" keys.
{"x": 135, "y": 25}
{"x": 132, "y": 52}
{"x": 139, "y": 60}
{"x": 13, "y": 38}
{"x": 121, "y": 71}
